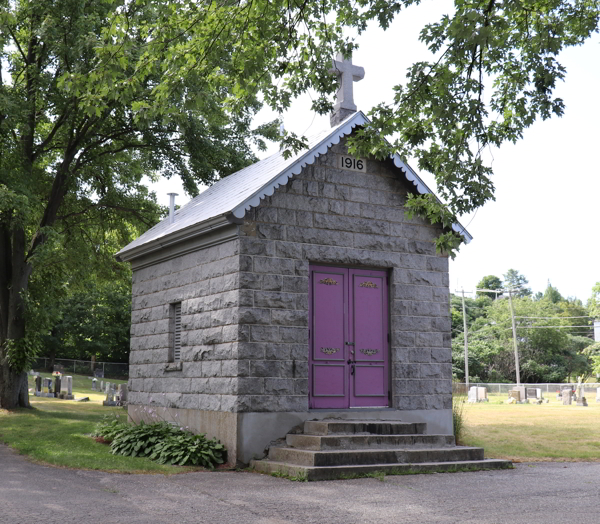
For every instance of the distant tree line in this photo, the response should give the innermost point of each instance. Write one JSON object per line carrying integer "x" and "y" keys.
{"x": 554, "y": 333}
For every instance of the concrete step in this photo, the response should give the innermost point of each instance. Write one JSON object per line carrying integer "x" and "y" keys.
{"x": 358, "y": 427}
{"x": 340, "y": 472}
{"x": 304, "y": 457}
{"x": 347, "y": 442}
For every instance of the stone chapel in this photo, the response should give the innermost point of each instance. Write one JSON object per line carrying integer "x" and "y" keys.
{"x": 294, "y": 290}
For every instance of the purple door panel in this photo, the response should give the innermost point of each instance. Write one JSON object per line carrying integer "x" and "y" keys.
{"x": 329, "y": 380}
{"x": 348, "y": 338}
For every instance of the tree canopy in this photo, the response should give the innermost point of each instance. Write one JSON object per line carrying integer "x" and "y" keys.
{"x": 554, "y": 339}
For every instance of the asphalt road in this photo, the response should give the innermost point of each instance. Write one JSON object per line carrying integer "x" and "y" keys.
{"x": 541, "y": 493}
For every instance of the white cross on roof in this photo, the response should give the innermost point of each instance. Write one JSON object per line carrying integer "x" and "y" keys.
{"x": 349, "y": 74}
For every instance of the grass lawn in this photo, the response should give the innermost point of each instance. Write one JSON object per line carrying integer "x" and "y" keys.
{"x": 531, "y": 432}
{"x": 57, "y": 432}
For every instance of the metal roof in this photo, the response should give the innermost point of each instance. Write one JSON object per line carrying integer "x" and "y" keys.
{"x": 241, "y": 191}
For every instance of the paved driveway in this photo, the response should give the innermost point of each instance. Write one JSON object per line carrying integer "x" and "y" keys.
{"x": 543, "y": 493}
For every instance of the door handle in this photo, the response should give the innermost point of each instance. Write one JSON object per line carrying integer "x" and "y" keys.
{"x": 352, "y": 370}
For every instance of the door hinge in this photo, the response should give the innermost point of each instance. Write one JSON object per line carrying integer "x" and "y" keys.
{"x": 388, "y": 338}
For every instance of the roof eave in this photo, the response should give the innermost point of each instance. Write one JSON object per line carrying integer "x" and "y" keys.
{"x": 195, "y": 230}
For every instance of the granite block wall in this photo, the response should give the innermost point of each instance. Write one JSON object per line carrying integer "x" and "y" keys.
{"x": 206, "y": 282}
{"x": 328, "y": 215}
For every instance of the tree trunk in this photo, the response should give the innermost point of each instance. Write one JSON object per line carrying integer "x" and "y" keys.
{"x": 13, "y": 388}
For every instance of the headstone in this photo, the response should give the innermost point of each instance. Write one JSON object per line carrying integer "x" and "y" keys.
{"x": 515, "y": 394}
{"x": 122, "y": 394}
{"x": 482, "y": 394}
{"x": 566, "y": 396}
{"x": 522, "y": 391}
{"x": 102, "y": 385}
{"x": 57, "y": 385}
{"x": 48, "y": 386}
{"x": 110, "y": 395}
{"x": 38, "y": 386}
{"x": 597, "y": 394}
{"x": 472, "y": 397}
{"x": 68, "y": 387}
{"x": 94, "y": 381}
{"x": 531, "y": 393}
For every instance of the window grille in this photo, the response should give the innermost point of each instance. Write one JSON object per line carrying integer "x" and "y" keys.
{"x": 177, "y": 333}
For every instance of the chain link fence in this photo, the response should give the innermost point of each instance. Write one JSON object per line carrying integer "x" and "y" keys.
{"x": 84, "y": 367}
{"x": 501, "y": 390}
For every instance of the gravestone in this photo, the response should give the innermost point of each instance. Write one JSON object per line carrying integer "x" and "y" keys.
{"x": 94, "y": 382}
{"x": 472, "y": 394}
{"x": 515, "y": 394}
{"x": 531, "y": 393}
{"x": 67, "y": 387}
{"x": 48, "y": 386}
{"x": 110, "y": 395}
{"x": 38, "y": 386}
{"x": 122, "y": 395}
{"x": 566, "y": 397}
{"x": 102, "y": 385}
{"x": 581, "y": 400}
{"x": 597, "y": 394}
{"x": 57, "y": 386}
{"x": 482, "y": 394}
{"x": 522, "y": 391}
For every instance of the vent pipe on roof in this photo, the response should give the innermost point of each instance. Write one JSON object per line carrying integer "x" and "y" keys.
{"x": 172, "y": 207}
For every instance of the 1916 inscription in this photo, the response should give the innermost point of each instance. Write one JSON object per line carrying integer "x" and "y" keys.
{"x": 351, "y": 163}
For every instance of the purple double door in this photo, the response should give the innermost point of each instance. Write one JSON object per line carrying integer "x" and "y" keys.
{"x": 348, "y": 338}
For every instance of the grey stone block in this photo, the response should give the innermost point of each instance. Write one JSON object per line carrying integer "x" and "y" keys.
{"x": 428, "y": 340}
{"x": 279, "y": 266}
{"x": 265, "y": 368}
{"x": 254, "y": 316}
{"x": 358, "y": 225}
{"x": 293, "y": 334}
{"x": 277, "y": 351}
{"x": 256, "y": 246}
{"x": 270, "y": 231}
{"x": 289, "y": 318}
{"x": 279, "y": 386}
{"x": 264, "y": 334}
{"x": 319, "y": 236}
{"x": 437, "y": 264}
{"x": 379, "y": 242}
{"x": 288, "y": 250}
{"x": 274, "y": 299}
{"x": 272, "y": 282}
{"x": 441, "y": 355}
{"x": 295, "y": 284}
{"x": 298, "y": 352}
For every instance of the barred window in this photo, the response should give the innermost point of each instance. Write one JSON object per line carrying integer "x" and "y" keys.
{"x": 176, "y": 331}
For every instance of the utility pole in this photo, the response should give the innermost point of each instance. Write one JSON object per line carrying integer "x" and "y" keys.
{"x": 514, "y": 331}
{"x": 514, "y": 327}
{"x": 466, "y": 342}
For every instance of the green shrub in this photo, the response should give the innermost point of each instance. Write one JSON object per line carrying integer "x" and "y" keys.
{"x": 162, "y": 442}
{"x": 109, "y": 428}
{"x": 188, "y": 449}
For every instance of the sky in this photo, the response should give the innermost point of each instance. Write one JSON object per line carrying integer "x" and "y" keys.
{"x": 545, "y": 221}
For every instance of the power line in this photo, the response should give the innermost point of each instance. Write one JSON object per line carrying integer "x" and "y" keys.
{"x": 558, "y": 318}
